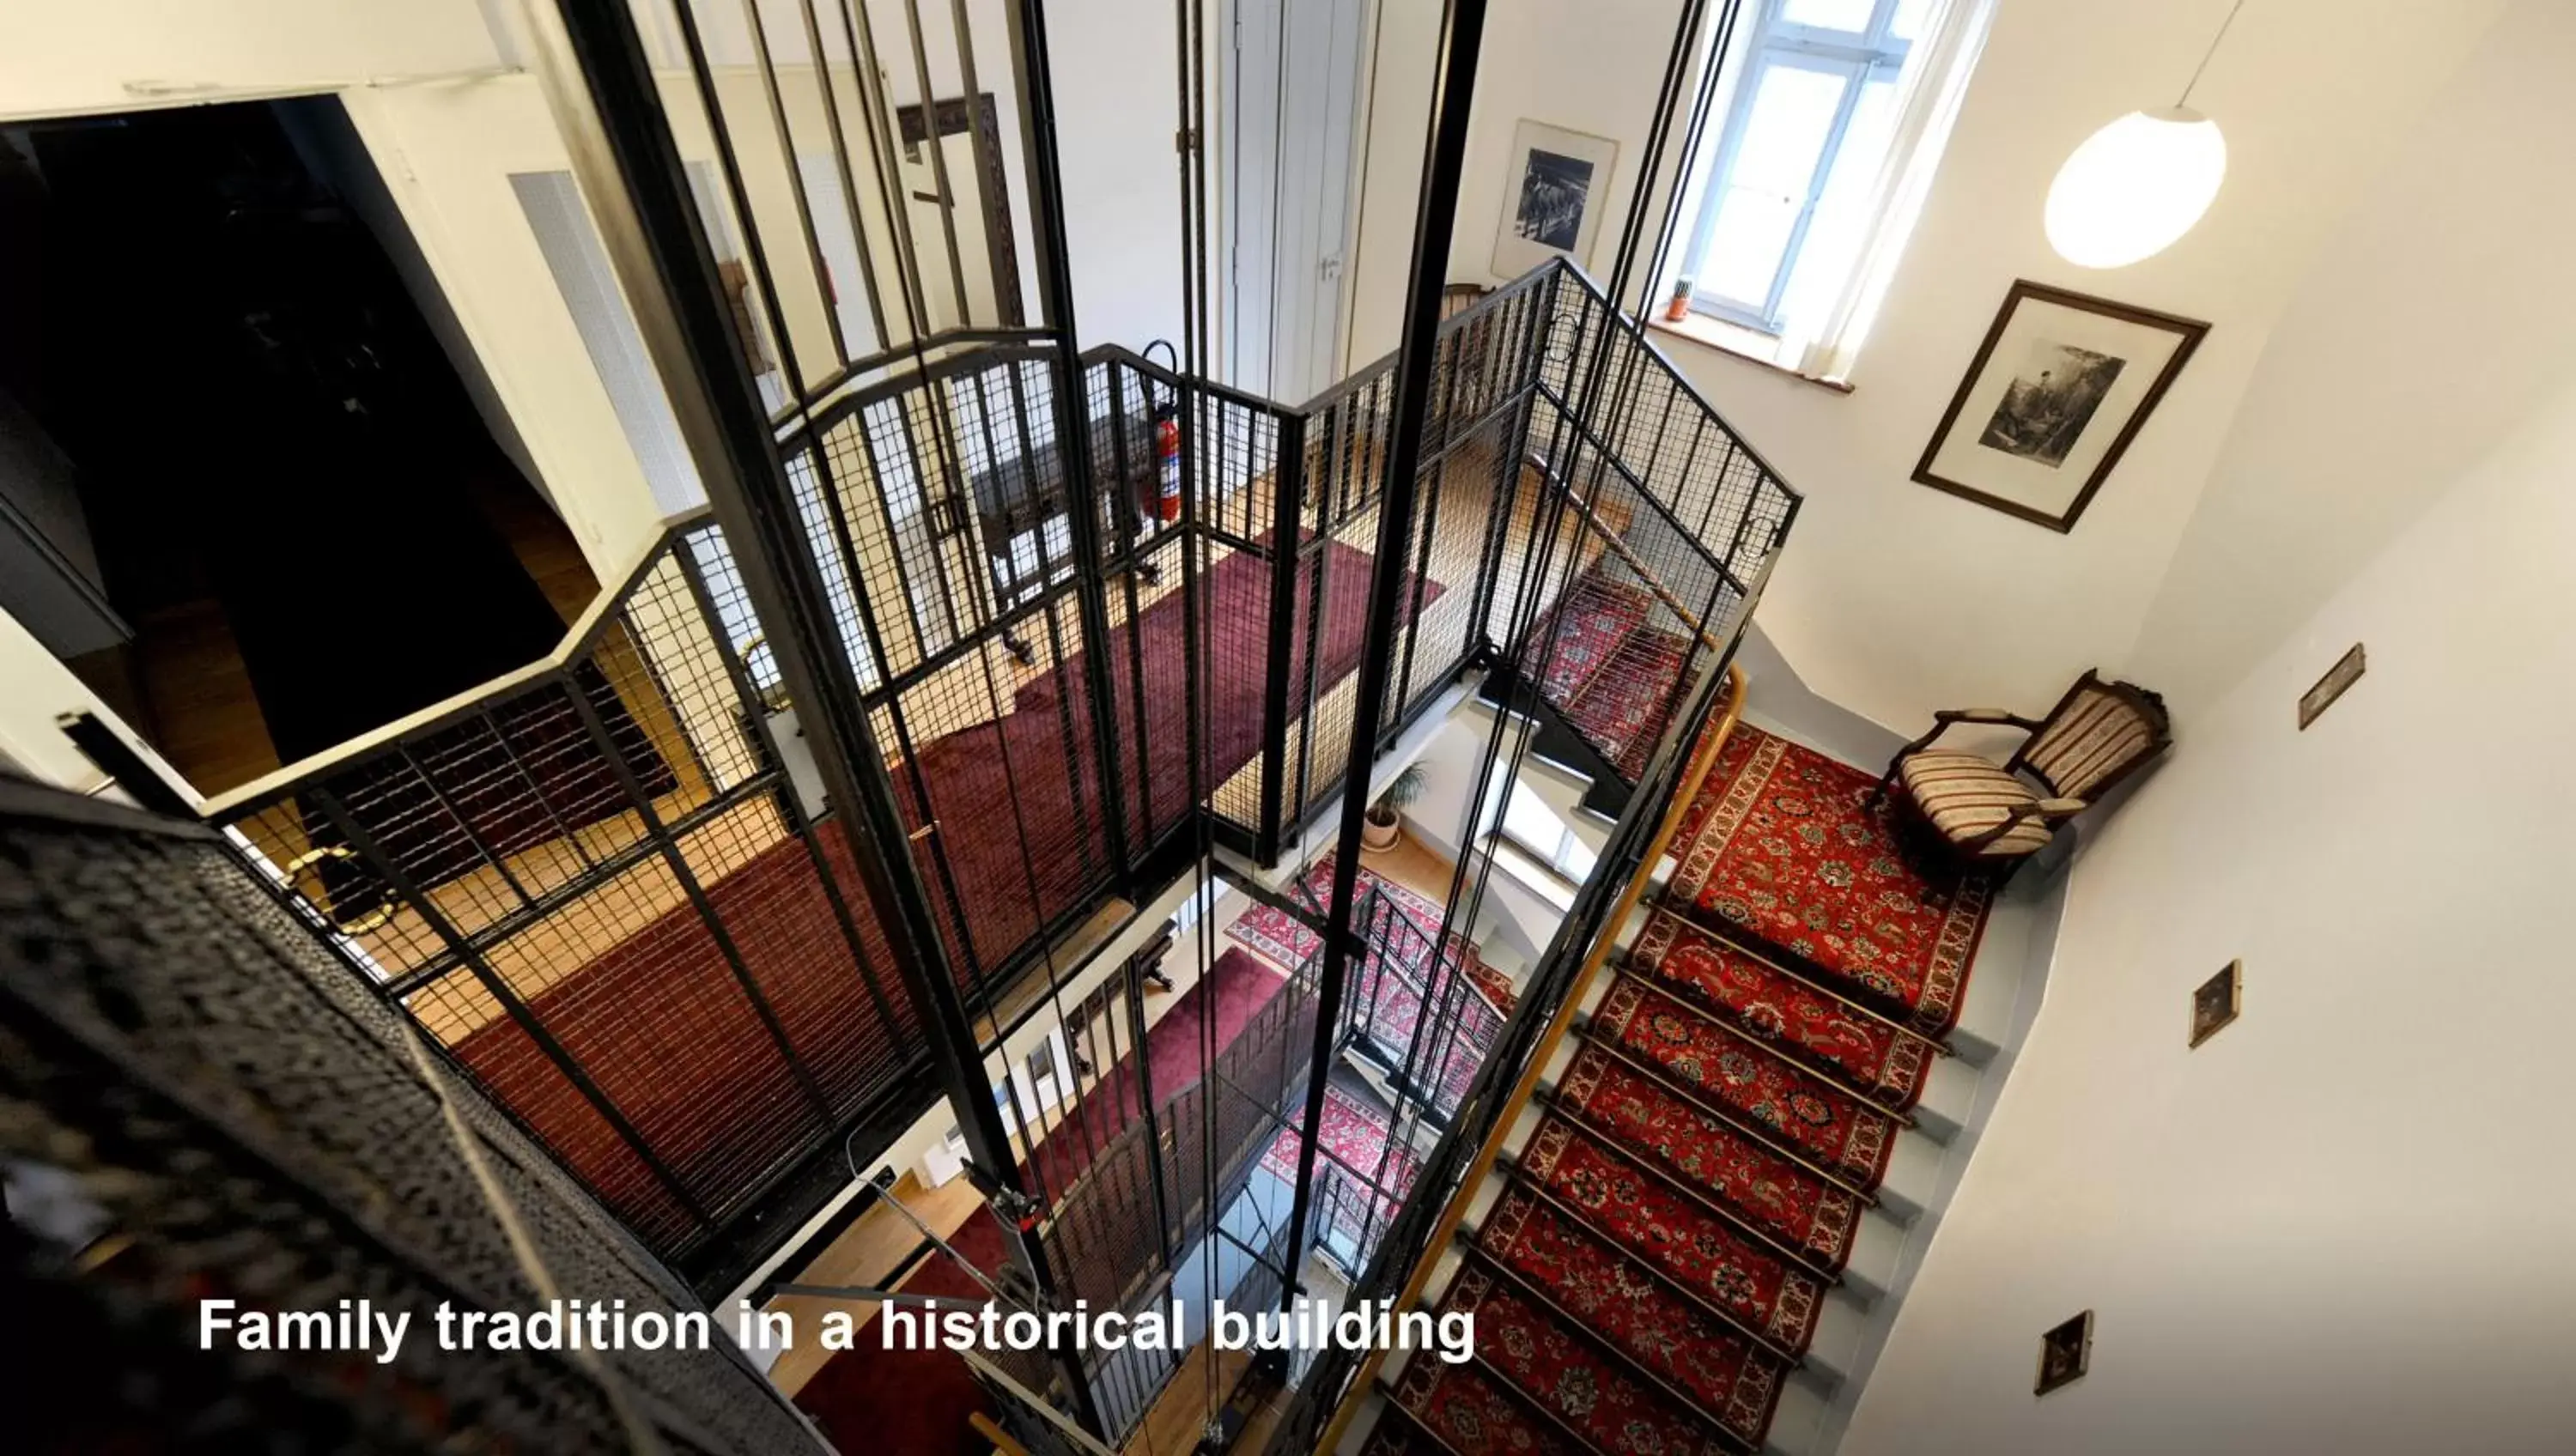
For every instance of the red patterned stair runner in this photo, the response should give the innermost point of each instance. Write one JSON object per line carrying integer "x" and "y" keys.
{"x": 1785, "y": 845}
{"x": 1801, "y": 1022}
{"x": 1618, "y": 709}
{"x": 1695, "y": 1248}
{"x": 1656, "y": 1264}
{"x": 1571, "y": 1378}
{"x": 1470, "y": 1412}
{"x": 1819, "y": 1122}
{"x": 1584, "y": 632}
{"x": 1390, "y": 1005}
{"x": 1804, "y": 1211}
{"x": 1725, "y": 1371}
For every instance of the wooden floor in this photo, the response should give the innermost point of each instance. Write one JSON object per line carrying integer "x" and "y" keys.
{"x": 1414, "y": 865}
{"x": 876, "y": 1244}
{"x": 1177, "y": 1421}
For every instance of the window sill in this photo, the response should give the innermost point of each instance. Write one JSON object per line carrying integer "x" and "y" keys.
{"x": 1737, "y": 342}
{"x": 1534, "y": 874}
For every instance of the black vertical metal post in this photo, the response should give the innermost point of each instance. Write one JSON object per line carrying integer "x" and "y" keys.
{"x": 601, "y": 86}
{"x": 1288, "y": 488}
{"x": 1072, "y": 403}
{"x": 1461, "y": 45}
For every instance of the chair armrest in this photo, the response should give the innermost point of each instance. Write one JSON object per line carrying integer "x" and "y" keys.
{"x": 1942, "y": 720}
{"x": 2058, "y": 808}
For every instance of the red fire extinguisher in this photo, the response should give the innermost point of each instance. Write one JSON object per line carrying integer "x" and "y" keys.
{"x": 1167, "y": 442}
{"x": 1167, "y": 458}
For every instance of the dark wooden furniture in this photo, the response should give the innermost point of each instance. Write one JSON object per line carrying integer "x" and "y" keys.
{"x": 1985, "y": 813}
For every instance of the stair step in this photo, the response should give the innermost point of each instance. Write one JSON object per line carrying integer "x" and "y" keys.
{"x": 1621, "y": 702}
{"x": 1819, "y": 1122}
{"x": 1811, "y": 1216}
{"x": 1584, "y": 631}
{"x": 1697, "y": 1248}
{"x": 1591, "y": 1394}
{"x": 1468, "y": 1411}
{"x": 1727, "y": 1377}
{"x": 1798, "y": 1426}
{"x": 1868, "y": 1054}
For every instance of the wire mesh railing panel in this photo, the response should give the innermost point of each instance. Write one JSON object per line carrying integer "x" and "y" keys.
{"x": 518, "y": 1073}
{"x": 598, "y": 890}
{"x": 612, "y": 890}
{"x": 999, "y": 784}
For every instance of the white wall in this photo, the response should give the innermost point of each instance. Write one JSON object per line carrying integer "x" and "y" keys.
{"x": 1117, "y": 108}
{"x": 2342, "y": 1224}
{"x": 122, "y": 55}
{"x": 2438, "y": 315}
{"x": 1895, "y": 599}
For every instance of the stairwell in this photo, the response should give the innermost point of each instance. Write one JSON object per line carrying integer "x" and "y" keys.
{"x": 1692, "y": 1234}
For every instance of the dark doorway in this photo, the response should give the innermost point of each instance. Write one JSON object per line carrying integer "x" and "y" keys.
{"x": 290, "y": 495}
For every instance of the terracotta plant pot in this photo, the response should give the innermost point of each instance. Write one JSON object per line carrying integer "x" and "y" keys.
{"x": 1381, "y": 833}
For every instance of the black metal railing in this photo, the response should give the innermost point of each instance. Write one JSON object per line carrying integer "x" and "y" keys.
{"x": 610, "y": 888}
{"x": 1633, "y": 483}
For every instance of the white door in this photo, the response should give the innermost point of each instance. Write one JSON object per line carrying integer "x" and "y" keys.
{"x": 1293, "y": 107}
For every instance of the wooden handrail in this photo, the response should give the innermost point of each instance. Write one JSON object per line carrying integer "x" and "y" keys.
{"x": 1618, "y": 547}
{"x": 1703, "y": 759}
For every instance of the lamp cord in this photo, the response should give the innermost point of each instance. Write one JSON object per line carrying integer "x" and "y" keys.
{"x": 2214, "y": 42}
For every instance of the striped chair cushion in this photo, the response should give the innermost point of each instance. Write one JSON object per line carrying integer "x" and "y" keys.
{"x": 2088, "y": 740}
{"x": 1965, "y": 796}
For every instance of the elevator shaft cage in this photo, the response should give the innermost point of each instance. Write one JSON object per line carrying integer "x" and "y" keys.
{"x": 803, "y": 824}
{"x": 599, "y": 886}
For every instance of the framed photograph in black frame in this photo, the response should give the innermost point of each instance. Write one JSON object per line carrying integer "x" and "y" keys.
{"x": 2059, "y": 388}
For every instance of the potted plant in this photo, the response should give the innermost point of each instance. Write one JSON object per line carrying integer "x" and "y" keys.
{"x": 1384, "y": 824}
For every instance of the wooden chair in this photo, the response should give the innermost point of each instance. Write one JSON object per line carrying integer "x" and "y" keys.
{"x": 1985, "y": 813}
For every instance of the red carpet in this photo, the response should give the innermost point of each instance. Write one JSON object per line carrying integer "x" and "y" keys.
{"x": 1355, "y": 1134}
{"x": 1766, "y": 1191}
{"x": 1390, "y": 1006}
{"x": 1286, "y": 940}
{"x": 1586, "y": 630}
{"x": 1684, "y": 1242}
{"x": 1782, "y": 845}
{"x": 909, "y": 1402}
{"x": 661, "y": 1023}
{"x": 664, "y": 1028}
{"x": 1582, "y": 1386}
{"x": 1799, "y": 1021}
{"x": 1700, "y": 1169}
{"x": 1628, "y": 1304}
{"x": 1497, "y": 987}
{"x": 1819, "y": 1122}
{"x": 1232, "y": 991}
{"x": 1470, "y": 1414}
{"x": 1014, "y": 871}
{"x": 1622, "y": 711}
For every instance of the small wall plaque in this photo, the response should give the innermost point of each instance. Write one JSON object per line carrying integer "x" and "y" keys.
{"x": 2346, "y": 671}
{"x": 2065, "y": 1353}
{"x": 2217, "y": 1001}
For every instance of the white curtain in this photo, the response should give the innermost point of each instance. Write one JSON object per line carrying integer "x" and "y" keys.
{"x": 1927, "y": 102}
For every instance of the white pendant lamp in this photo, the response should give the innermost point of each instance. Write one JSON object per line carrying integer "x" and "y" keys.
{"x": 2140, "y": 183}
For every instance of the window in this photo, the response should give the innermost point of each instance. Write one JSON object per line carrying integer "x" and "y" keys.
{"x": 1837, "y": 114}
{"x": 1530, "y": 835}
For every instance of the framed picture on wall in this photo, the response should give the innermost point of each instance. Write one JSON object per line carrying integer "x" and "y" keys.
{"x": 1552, "y": 197}
{"x": 2059, "y": 388}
